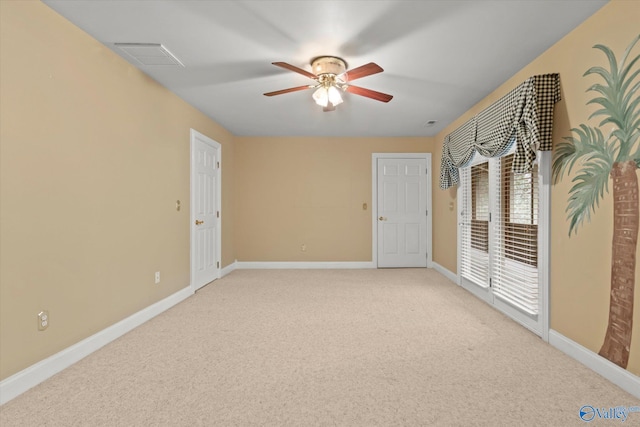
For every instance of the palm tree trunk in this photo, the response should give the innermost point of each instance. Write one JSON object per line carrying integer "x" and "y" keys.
{"x": 617, "y": 340}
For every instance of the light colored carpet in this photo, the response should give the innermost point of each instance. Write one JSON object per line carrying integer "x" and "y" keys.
{"x": 322, "y": 348}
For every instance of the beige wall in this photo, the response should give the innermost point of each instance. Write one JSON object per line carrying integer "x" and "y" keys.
{"x": 580, "y": 266}
{"x": 294, "y": 191}
{"x": 94, "y": 155}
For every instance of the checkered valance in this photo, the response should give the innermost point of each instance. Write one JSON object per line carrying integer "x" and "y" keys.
{"x": 523, "y": 116}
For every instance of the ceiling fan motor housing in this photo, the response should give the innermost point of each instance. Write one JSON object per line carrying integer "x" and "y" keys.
{"x": 328, "y": 65}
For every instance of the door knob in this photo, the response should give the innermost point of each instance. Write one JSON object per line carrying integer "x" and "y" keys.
{"x": 382, "y": 218}
{"x": 199, "y": 222}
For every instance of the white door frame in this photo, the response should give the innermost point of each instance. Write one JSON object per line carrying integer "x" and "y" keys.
{"x": 194, "y": 134}
{"x": 374, "y": 201}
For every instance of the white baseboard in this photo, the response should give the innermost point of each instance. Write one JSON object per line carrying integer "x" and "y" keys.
{"x": 228, "y": 269}
{"x": 305, "y": 265}
{"x": 22, "y": 381}
{"x": 614, "y": 373}
{"x": 446, "y": 273}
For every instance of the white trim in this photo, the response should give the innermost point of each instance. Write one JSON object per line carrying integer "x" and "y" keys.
{"x": 446, "y": 273}
{"x": 429, "y": 174}
{"x": 35, "y": 374}
{"x": 374, "y": 201}
{"x": 228, "y": 269}
{"x": 267, "y": 265}
{"x": 614, "y": 373}
{"x": 193, "y": 135}
{"x": 519, "y": 316}
{"x": 459, "y": 206}
{"x": 374, "y": 210}
{"x": 544, "y": 239}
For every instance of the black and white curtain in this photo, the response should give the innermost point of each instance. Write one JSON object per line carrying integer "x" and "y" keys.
{"x": 524, "y": 116}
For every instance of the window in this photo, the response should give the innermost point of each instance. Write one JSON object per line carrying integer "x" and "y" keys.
{"x": 474, "y": 224}
{"x": 514, "y": 270}
{"x": 520, "y": 213}
{"x": 480, "y": 207}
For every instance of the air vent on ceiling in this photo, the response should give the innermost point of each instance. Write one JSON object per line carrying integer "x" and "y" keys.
{"x": 149, "y": 53}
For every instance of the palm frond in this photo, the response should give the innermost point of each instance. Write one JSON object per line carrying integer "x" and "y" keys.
{"x": 618, "y": 105}
{"x": 564, "y": 157}
{"x": 589, "y": 144}
{"x": 632, "y": 116}
{"x": 628, "y": 80}
{"x": 604, "y": 73}
{"x": 627, "y": 99}
{"x": 607, "y": 91}
{"x": 613, "y": 63}
{"x": 618, "y": 101}
{"x": 625, "y": 68}
{"x": 610, "y": 110}
{"x": 586, "y": 193}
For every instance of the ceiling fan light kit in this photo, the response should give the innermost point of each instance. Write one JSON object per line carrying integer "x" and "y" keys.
{"x": 325, "y": 95}
{"x": 331, "y": 75}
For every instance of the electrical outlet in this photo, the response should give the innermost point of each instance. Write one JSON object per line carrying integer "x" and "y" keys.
{"x": 303, "y": 248}
{"x": 157, "y": 277}
{"x": 43, "y": 320}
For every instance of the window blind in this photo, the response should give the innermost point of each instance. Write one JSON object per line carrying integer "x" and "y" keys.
{"x": 474, "y": 224}
{"x": 515, "y": 233}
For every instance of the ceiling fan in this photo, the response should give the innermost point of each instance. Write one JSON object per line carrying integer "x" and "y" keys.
{"x": 332, "y": 76}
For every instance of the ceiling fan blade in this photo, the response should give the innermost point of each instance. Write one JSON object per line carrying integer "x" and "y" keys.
{"x": 295, "y": 69}
{"x": 291, "y": 89}
{"x": 362, "y": 71}
{"x": 378, "y": 96}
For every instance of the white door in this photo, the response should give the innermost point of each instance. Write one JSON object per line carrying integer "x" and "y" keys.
{"x": 402, "y": 212}
{"x": 502, "y": 249}
{"x": 473, "y": 228}
{"x": 205, "y": 210}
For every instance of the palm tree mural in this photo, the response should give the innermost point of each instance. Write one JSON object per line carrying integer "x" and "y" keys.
{"x": 599, "y": 157}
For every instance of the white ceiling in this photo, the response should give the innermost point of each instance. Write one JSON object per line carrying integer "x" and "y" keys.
{"x": 439, "y": 57}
